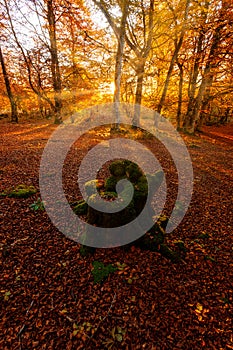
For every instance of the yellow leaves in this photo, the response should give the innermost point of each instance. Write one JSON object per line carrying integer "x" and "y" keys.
{"x": 64, "y": 311}
{"x": 200, "y": 311}
{"x": 7, "y": 295}
{"x": 199, "y": 308}
{"x": 82, "y": 330}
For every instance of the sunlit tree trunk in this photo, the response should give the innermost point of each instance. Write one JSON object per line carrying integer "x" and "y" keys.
{"x": 119, "y": 58}
{"x": 168, "y": 77}
{"x": 138, "y": 95}
{"x": 55, "y": 68}
{"x": 204, "y": 106}
{"x": 14, "y": 113}
{"x": 142, "y": 55}
{"x": 180, "y": 95}
{"x": 141, "y": 50}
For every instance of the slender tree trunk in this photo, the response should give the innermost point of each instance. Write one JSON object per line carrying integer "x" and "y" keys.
{"x": 14, "y": 113}
{"x": 55, "y": 68}
{"x": 168, "y": 77}
{"x": 192, "y": 121}
{"x": 118, "y": 65}
{"x": 204, "y": 106}
{"x": 189, "y": 120}
{"x": 178, "y": 45}
{"x": 180, "y": 95}
{"x": 138, "y": 96}
{"x": 193, "y": 84}
{"x": 28, "y": 63}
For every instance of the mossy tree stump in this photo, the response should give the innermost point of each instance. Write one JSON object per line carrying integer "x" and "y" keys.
{"x": 98, "y": 192}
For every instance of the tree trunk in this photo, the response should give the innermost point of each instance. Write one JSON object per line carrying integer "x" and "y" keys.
{"x": 55, "y": 68}
{"x": 188, "y": 121}
{"x": 118, "y": 65}
{"x": 180, "y": 95}
{"x": 28, "y": 62}
{"x": 207, "y": 79}
{"x": 178, "y": 44}
{"x": 14, "y": 114}
{"x": 138, "y": 96}
{"x": 166, "y": 84}
{"x": 204, "y": 106}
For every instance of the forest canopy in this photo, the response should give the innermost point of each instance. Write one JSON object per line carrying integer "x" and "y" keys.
{"x": 60, "y": 56}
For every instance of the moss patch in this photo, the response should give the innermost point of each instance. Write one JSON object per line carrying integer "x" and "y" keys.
{"x": 20, "y": 191}
{"x": 81, "y": 208}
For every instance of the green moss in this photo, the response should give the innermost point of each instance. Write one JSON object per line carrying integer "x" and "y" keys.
{"x": 142, "y": 185}
{"x": 117, "y": 168}
{"x": 81, "y": 208}
{"x": 3, "y": 194}
{"x": 161, "y": 224}
{"x": 108, "y": 195}
{"x": 21, "y": 191}
{"x": 204, "y": 236}
{"x": 168, "y": 253}
{"x": 110, "y": 184}
{"x": 133, "y": 172}
{"x": 181, "y": 246}
{"x": 101, "y": 272}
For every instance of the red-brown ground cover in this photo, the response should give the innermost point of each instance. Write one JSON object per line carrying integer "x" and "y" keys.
{"x": 47, "y": 294}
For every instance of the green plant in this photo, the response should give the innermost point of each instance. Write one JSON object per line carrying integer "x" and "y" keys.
{"x": 100, "y": 271}
{"x": 37, "y": 205}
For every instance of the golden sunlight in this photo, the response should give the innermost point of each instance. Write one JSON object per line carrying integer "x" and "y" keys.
{"x": 112, "y": 87}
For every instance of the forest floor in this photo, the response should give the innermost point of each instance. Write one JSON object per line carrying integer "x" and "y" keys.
{"x": 48, "y": 299}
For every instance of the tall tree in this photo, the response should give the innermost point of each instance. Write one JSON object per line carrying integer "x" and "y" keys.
{"x": 119, "y": 58}
{"x": 177, "y": 43}
{"x": 138, "y": 37}
{"x": 220, "y": 41}
{"x": 55, "y": 67}
{"x": 14, "y": 113}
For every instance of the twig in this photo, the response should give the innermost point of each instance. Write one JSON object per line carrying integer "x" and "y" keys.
{"x": 18, "y": 240}
{"x": 24, "y": 325}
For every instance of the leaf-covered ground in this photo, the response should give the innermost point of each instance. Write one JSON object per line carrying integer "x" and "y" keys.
{"x": 48, "y": 296}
